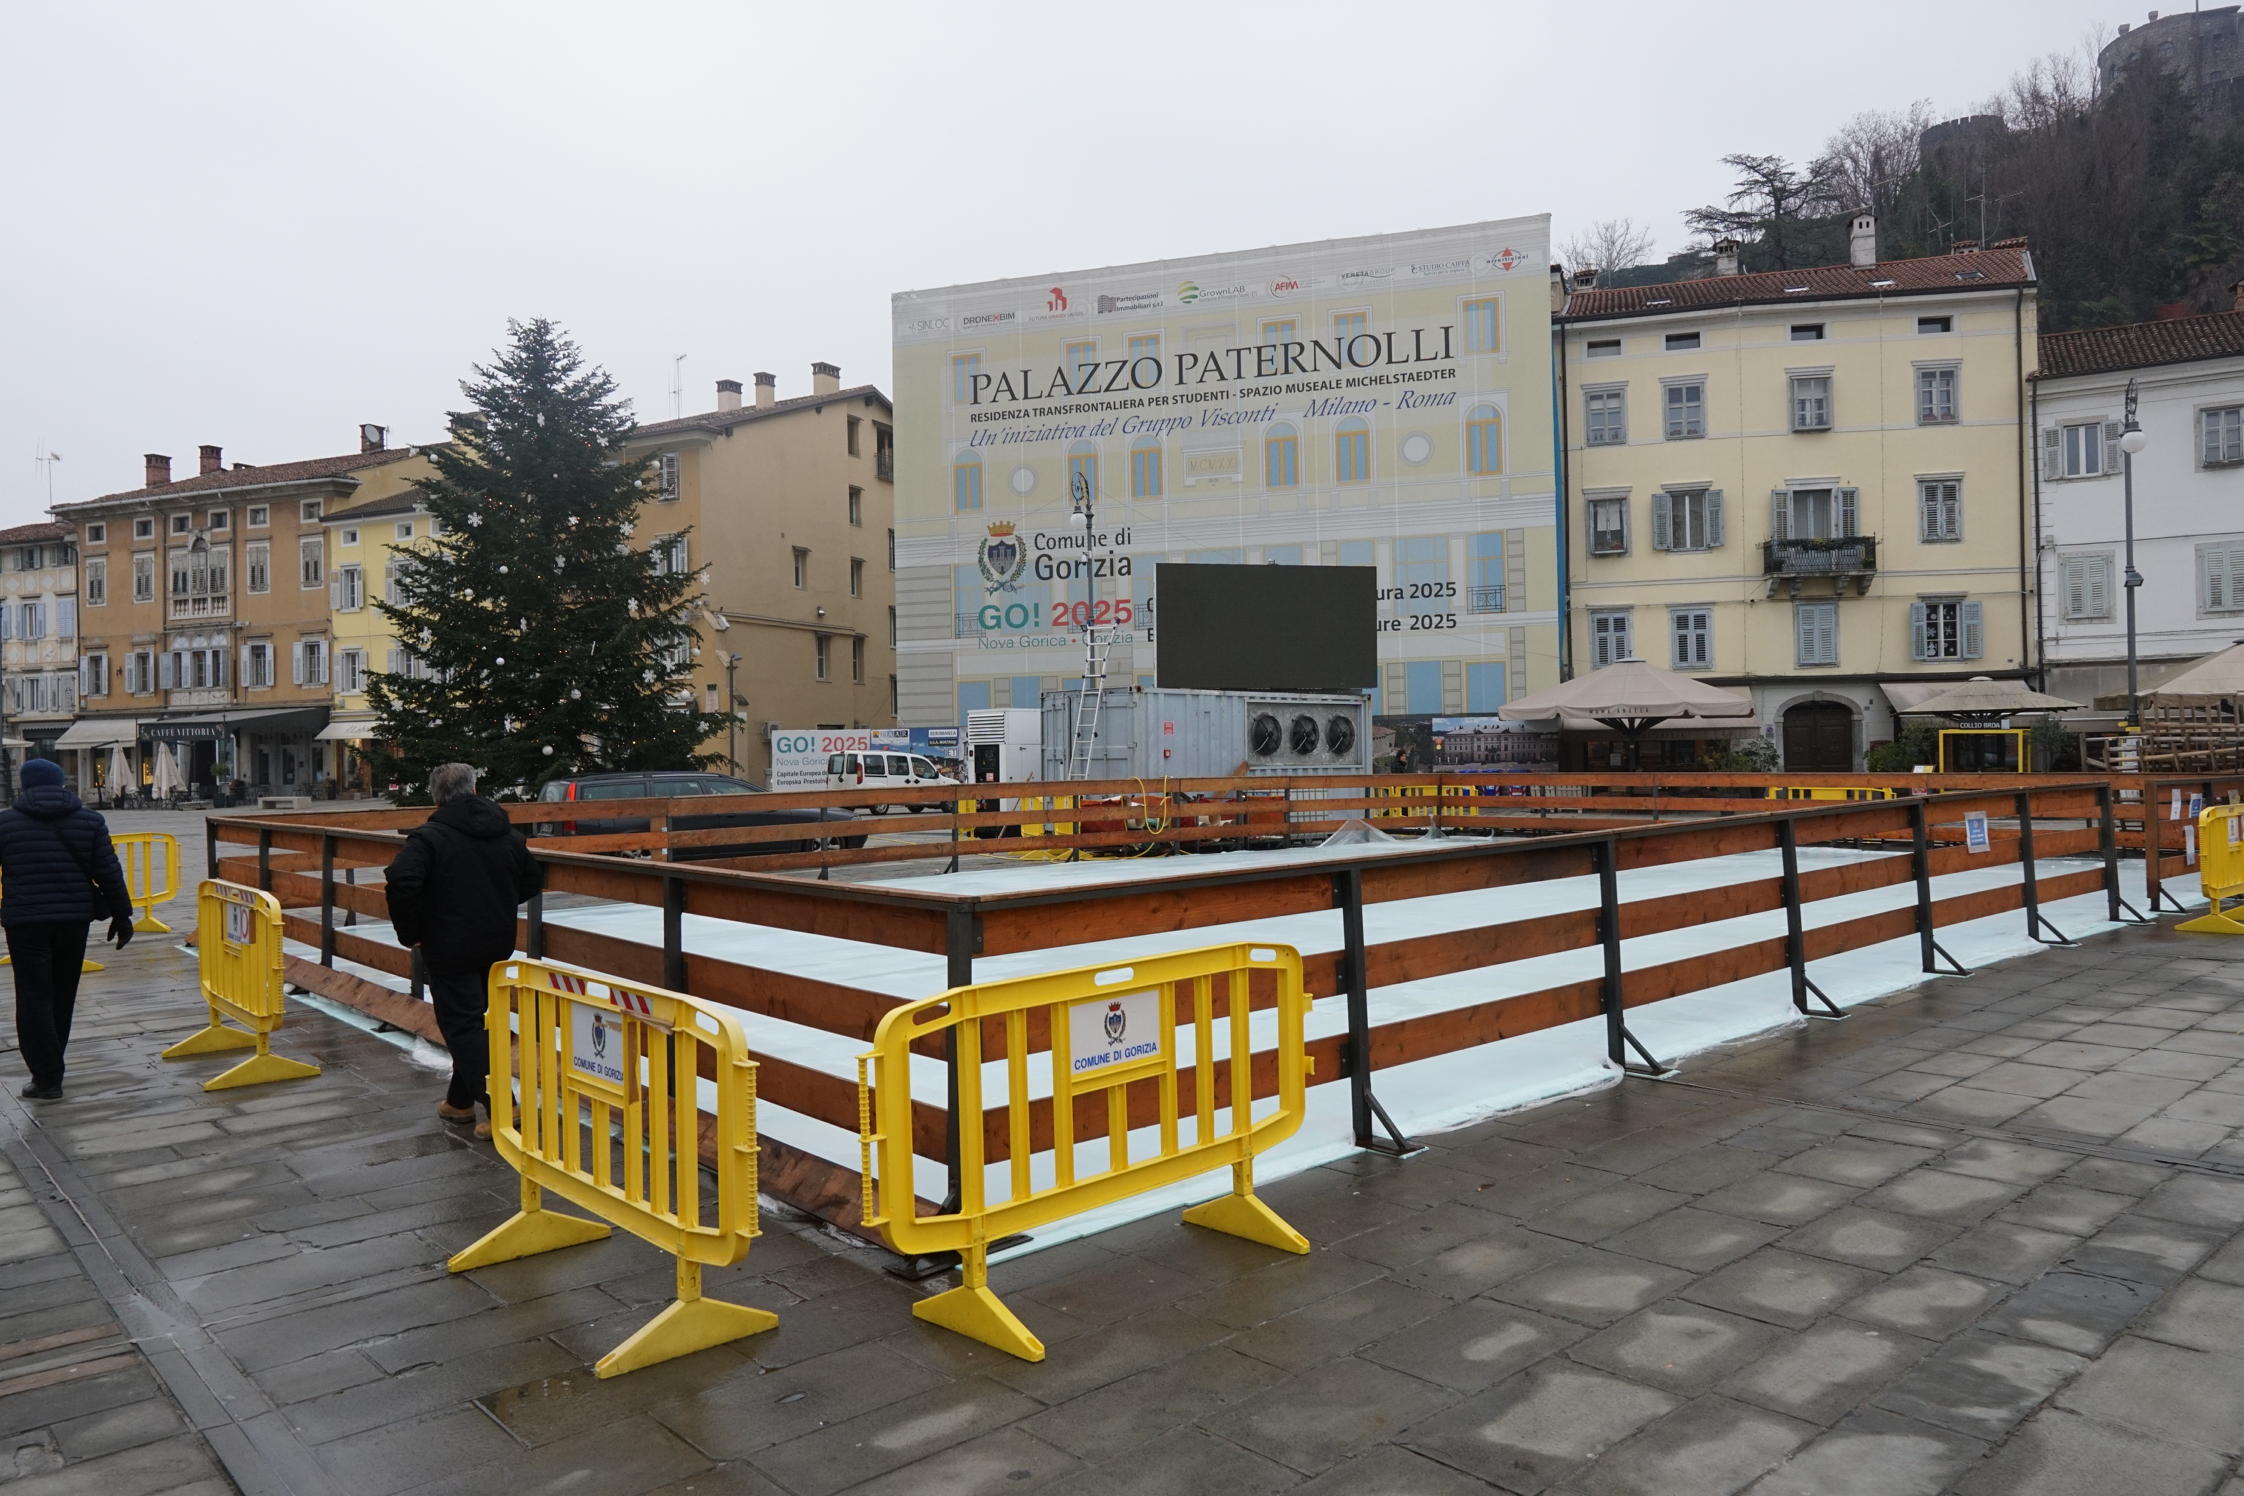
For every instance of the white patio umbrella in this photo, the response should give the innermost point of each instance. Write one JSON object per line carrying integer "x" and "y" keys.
{"x": 120, "y": 772}
{"x": 1631, "y": 697}
{"x": 2218, "y": 676}
{"x": 1983, "y": 696}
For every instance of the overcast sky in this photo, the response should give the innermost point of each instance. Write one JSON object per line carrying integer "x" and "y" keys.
{"x": 261, "y": 224}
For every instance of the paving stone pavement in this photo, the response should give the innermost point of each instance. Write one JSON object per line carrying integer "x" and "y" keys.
{"x": 1979, "y": 1237}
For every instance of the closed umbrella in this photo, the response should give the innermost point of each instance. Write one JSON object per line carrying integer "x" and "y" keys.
{"x": 167, "y": 772}
{"x": 120, "y": 772}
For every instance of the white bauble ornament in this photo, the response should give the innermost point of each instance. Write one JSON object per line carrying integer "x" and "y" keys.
{"x": 575, "y": 694}
{"x": 500, "y": 660}
{"x": 502, "y": 571}
{"x": 548, "y": 752}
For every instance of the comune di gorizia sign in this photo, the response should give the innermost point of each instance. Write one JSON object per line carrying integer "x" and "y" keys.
{"x": 1110, "y": 1031}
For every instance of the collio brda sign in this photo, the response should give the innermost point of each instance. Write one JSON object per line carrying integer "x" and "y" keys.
{"x": 1380, "y": 401}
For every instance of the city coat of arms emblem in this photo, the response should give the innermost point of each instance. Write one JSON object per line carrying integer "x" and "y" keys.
{"x": 1002, "y": 558}
{"x": 1116, "y": 1022}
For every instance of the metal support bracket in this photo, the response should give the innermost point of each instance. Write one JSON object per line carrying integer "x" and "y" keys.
{"x": 1355, "y": 1054}
{"x": 1618, "y": 1038}
{"x": 1795, "y": 935}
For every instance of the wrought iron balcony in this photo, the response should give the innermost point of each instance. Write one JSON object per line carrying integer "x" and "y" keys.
{"x": 1484, "y": 599}
{"x": 1842, "y": 558}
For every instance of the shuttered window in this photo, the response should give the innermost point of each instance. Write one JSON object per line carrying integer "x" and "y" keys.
{"x": 2220, "y": 577}
{"x": 2087, "y": 585}
{"x": 2221, "y": 436}
{"x": 1815, "y": 628}
{"x": 1687, "y": 519}
{"x": 1947, "y": 630}
{"x": 1608, "y": 638}
{"x": 1692, "y": 633}
{"x": 1939, "y": 509}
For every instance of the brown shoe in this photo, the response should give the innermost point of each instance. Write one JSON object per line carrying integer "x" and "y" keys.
{"x": 483, "y": 1131}
{"x": 451, "y": 1113}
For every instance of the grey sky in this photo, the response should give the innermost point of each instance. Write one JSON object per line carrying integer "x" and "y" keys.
{"x": 260, "y": 224}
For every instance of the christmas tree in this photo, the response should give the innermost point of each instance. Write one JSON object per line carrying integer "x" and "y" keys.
{"x": 541, "y": 642}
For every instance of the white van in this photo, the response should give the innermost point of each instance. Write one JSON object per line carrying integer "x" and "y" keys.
{"x": 874, "y": 770}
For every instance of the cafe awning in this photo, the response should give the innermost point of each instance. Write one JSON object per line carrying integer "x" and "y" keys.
{"x": 100, "y": 732}
{"x": 203, "y": 726}
{"x": 358, "y": 730}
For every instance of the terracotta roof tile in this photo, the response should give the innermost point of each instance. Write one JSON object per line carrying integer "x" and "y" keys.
{"x": 1978, "y": 270}
{"x": 34, "y": 533}
{"x": 2138, "y": 345}
{"x": 725, "y": 420}
{"x": 247, "y": 477}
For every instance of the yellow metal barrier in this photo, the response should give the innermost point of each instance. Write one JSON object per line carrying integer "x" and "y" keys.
{"x": 238, "y": 947}
{"x": 596, "y": 1095}
{"x": 1048, "y": 828}
{"x": 151, "y": 860}
{"x": 2220, "y": 868}
{"x": 1148, "y": 1030}
{"x": 89, "y": 964}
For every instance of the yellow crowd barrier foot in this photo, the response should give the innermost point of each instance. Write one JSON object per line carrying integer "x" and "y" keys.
{"x": 683, "y": 1328}
{"x": 981, "y": 1315}
{"x": 259, "y": 1069}
{"x": 217, "y": 1039}
{"x": 2213, "y": 924}
{"x": 148, "y": 924}
{"x": 87, "y": 966}
{"x": 527, "y": 1234}
{"x": 1246, "y": 1216}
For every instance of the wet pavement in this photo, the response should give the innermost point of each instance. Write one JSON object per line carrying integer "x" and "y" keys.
{"x": 1982, "y": 1236}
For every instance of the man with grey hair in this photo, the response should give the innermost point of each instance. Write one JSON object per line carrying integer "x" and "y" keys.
{"x": 453, "y": 889}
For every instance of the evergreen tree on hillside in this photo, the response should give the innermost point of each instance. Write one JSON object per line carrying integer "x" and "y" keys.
{"x": 543, "y": 641}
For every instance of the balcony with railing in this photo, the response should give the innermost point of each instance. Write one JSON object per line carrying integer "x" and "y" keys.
{"x": 185, "y": 605}
{"x": 1485, "y": 599}
{"x": 1841, "y": 558}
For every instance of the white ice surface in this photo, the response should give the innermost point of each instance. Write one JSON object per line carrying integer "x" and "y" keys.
{"x": 1425, "y": 1096}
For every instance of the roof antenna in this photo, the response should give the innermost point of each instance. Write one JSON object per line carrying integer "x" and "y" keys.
{"x": 678, "y": 386}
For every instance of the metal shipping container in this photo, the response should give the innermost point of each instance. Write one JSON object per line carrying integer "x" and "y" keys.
{"x": 1145, "y": 732}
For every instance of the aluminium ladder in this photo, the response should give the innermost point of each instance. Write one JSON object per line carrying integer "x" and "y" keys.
{"x": 1084, "y": 734}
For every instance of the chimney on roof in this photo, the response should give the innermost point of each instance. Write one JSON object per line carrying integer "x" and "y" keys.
{"x": 2174, "y": 311}
{"x": 1725, "y": 257}
{"x": 211, "y": 460}
{"x": 2236, "y": 297}
{"x": 1585, "y": 279}
{"x": 1862, "y": 241}
{"x": 155, "y": 470}
{"x": 728, "y": 394}
{"x": 373, "y": 438}
{"x": 825, "y": 379}
{"x": 767, "y": 391}
{"x": 1964, "y": 247}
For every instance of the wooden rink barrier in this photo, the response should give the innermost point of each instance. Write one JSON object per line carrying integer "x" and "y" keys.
{"x": 238, "y": 958}
{"x": 596, "y": 1095}
{"x": 1599, "y": 828}
{"x": 1113, "y": 1034}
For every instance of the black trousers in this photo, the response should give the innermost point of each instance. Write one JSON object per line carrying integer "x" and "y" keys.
{"x": 47, "y": 960}
{"x": 461, "y": 999}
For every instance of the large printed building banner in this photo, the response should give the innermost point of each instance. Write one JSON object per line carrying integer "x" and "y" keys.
{"x": 1379, "y": 401}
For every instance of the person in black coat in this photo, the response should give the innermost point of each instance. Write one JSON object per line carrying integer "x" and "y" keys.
{"x": 453, "y": 890}
{"x": 58, "y": 874}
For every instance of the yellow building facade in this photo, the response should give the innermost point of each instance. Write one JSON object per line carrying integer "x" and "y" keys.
{"x": 367, "y": 542}
{"x": 787, "y": 508}
{"x": 1809, "y": 484}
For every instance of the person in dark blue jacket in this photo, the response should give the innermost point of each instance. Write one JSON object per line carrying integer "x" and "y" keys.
{"x": 58, "y": 874}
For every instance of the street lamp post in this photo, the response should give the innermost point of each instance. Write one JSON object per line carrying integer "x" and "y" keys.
{"x": 732, "y": 714}
{"x": 2131, "y": 441}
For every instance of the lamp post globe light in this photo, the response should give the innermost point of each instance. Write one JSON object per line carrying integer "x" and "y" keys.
{"x": 2132, "y": 439}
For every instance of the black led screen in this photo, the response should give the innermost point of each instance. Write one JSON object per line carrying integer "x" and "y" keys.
{"x": 1266, "y": 628}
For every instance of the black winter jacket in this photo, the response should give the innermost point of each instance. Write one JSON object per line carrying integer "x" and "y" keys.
{"x": 455, "y": 885}
{"x": 41, "y": 881}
